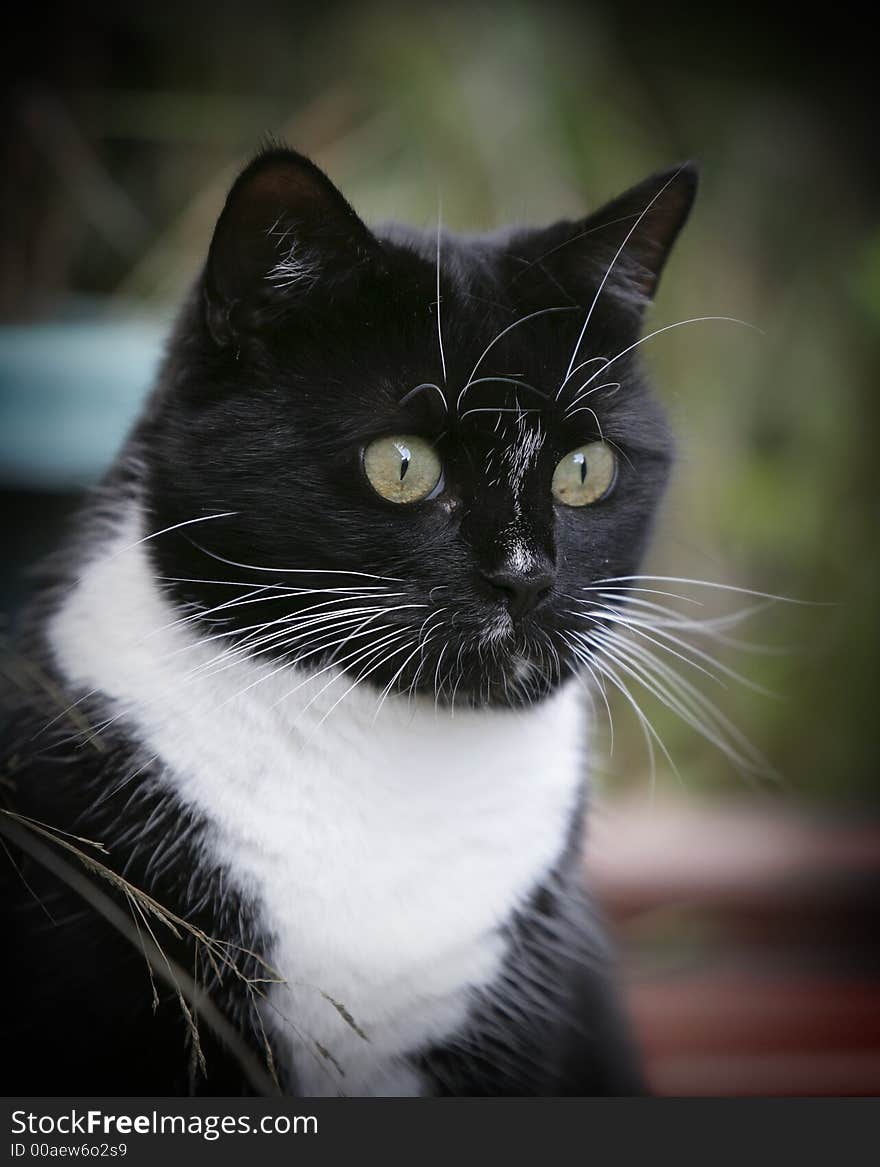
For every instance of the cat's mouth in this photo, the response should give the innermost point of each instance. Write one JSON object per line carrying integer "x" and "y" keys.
{"x": 506, "y": 665}
{"x": 496, "y": 661}
{"x": 472, "y": 655}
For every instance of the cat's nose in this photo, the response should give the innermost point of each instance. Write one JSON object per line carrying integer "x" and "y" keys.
{"x": 522, "y": 589}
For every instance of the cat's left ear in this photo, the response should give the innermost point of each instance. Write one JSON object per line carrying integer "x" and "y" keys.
{"x": 627, "y": 242}
{"x": 285, "y": 240}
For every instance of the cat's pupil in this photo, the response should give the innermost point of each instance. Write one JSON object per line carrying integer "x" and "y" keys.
{"x": 583, "y": 465}
{"x": 404, "y": 461}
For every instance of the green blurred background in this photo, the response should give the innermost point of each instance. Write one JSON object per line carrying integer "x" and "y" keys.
{"x": 124, "y": 126}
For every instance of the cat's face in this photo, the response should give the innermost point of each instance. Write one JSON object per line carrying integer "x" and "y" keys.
{"x": 417, "y": 496}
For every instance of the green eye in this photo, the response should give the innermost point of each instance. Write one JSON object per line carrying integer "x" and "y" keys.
{"x": 585, "y": 475}
{"x": 402, "y": 468}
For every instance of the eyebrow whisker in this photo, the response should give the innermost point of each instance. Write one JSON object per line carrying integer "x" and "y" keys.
{"x": 439, "y": 323}
{"x": 503, "y": 333}
{"x": 425, "y": 385}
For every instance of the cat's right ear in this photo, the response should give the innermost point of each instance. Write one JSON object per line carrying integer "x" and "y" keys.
{"x": 286, "y": 237}
{"x": 618, "y": 253}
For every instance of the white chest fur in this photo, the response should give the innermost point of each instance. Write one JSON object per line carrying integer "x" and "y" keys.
{"x": 386, "y": 852}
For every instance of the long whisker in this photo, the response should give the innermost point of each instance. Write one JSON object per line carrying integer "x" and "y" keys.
{"x": 689, "y": 694}
{"x": 336, "y": 663}
{"x": 230, "y": 658}
{"x": 604, "y": 615}
{"x": 668, "y": 328}
{"x": 287, "y": 665}
{"x": 304, "y": 617}
{"x": 614, "y": 386}
{"x": 587, "y": 409}
{"x": 287, "y": 588}
{"x": 687, "y": 704}
{"x": 297, "y": 570}
{"x": 607, "y": 585}
{"x": 643, "y": 628}
{"x": 438, "y": 684}
{"x": 253, "y": 597}
{"x": 365, "y": 653}
{"x": 582, "y": 657}
{"x": 439, "y": 323}
{"x": 418, "y": 648}
{"x": 94, "y": 731}
{"x": 707, "y": 583}
{"x": 500, "y": 336}
{"x": 711, "y": 627}
{"x": 577, "y": 369}
{"x": 155, "y": 535}
{"x": 361, "y": 676}
{"x": 648, "y": 730}
{"x": 291, "y": 634}
{"x": 424, "y": 385}
{"x": 284, "y": 638}
{"x": 422, "y": 636}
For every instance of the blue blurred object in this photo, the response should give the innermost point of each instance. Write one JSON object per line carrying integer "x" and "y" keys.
{"x": 69, "y": 392}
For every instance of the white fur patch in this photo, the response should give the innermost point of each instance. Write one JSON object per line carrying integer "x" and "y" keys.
{"x": 386, "y": 854}
{"x": 521, "y": 454}
{"x": 520, "y": 555}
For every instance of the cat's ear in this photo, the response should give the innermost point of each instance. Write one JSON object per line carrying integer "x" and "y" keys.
{"x": 286, "y": 237}
{"x": 624, "y": 246}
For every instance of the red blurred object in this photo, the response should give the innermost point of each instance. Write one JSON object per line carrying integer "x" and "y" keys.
{"x": 749, "y": 942}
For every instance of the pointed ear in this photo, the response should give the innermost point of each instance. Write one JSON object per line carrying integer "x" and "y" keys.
{"x": 285, "y": 237}
{"x": 626, "y": 242}
{"x": 648, "y": 218}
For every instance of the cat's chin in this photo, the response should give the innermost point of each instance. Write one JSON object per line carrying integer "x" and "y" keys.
{"x": 511, "y": 671}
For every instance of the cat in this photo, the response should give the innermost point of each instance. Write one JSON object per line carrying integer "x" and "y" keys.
{"x": 312, "y": 670}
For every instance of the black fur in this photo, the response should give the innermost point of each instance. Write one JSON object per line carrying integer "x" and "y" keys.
{"x": 270, "y": 390}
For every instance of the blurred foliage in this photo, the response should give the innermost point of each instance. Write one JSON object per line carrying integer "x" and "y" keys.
{"x": 124, "y": 137}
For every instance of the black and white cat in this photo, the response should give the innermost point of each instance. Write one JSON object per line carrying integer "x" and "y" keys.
{"x": 314, "y": 666}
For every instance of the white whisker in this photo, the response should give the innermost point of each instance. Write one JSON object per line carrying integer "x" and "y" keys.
{"x": 503, "y": 333}
{"x": 612, "y": 385}
{"x": 365, "y": 654}
{"x": 424, "y": 385}
{"x": 336, "y": 663}
{"x": 706, "y": 583}
{"x": 439, "y": 323}
{"x": 684, "y": 699}
{"x": 582, "y": 657}
{"x": 156, "y": 534}
{"x": 299, "y": 570}
{"x": 668, "y": 328}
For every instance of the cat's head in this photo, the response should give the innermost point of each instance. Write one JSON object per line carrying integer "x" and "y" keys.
{"x": 424, "y": 445}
